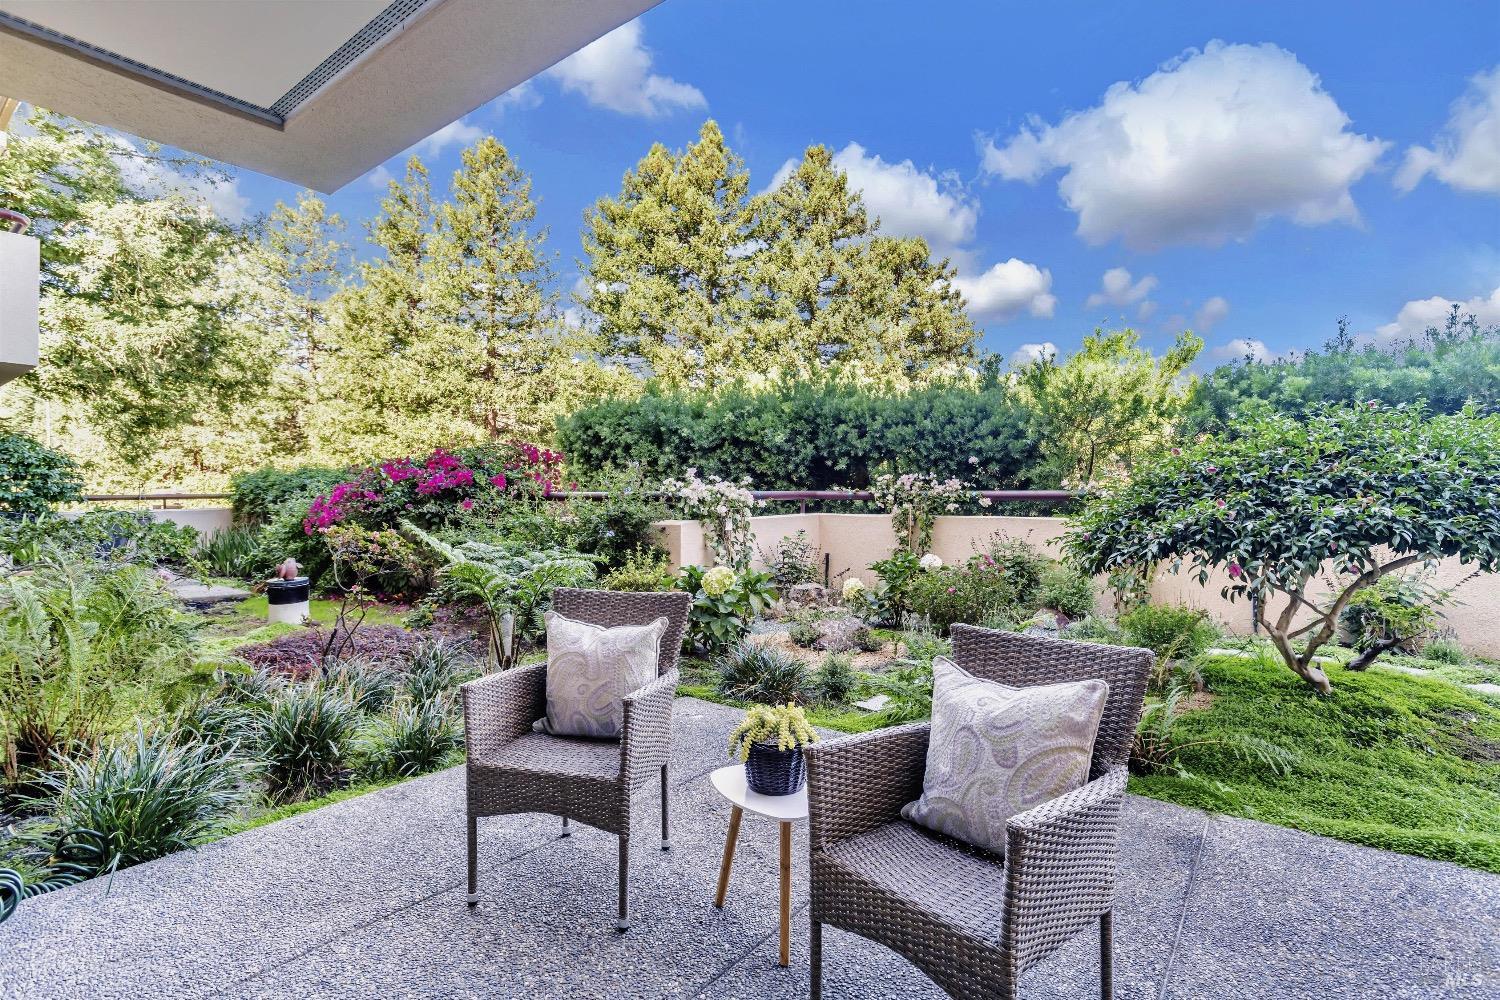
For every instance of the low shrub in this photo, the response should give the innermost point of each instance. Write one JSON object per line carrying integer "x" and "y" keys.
{"x": 643, "y": 570}
{"x": 804, "y": 632}
{"x": 896, "y": 574}
{"x": 835, "y": 680}
{"x": 413, "y": 738}
{"x": 1446, "y": 651}
{"x": 763, "y": 674}
{"x": 1068, "y": 591}
{"x": 149, "y": 794}
{"x": 119, "y": 537}
{"x": 724, "y": 604}
{"x": 1172, "y": 632}
{"x": 618, "y": 525}
{"x": 909, "y": 688}
{"x": 793, "y": 560}
{"x": 1023, "y": 567}
{"x": 1096, "y": 628}
{"x": 35, "y": 478}
{"x": 946, "y": 597}
{"x": 304, "y": 741}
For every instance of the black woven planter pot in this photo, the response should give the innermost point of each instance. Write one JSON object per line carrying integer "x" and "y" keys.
{"x": 771, "y": 771}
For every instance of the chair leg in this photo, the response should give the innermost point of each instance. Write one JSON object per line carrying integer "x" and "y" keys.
{"x": 1106, "y": 956}
{"x": 473, "y": 860}
{"x": 666, "y": 842}
{"x": 815, "y": 961}
{"x": 622, "y": 923}
{"x": 567, "y": 830}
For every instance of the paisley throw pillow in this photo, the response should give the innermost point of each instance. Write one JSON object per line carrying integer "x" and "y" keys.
{"x": 997, "y": 751}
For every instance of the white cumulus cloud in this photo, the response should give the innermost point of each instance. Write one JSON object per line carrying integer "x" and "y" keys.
{"x": 910, "y": 201}
{"x": 614, "y": 72}
{"x": 1117, "y": 288}
{"x": 1418, "y": 315}
{"x": 1007, "y": 290}
{"x": 1240, "y": 348}
{"x": 154, "y": 178}
{"x": 1027, "y": 353}
{"x": 1202, "y": 151}
{"x": 459, "y": 133}
{"x": 1466, "y": 153}
{"x": 1210, "y": 313}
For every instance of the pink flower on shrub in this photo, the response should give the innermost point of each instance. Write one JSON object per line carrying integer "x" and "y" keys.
{"x": 467, "y": 505}
{"x": 1219, "y": 504}
{"x": 1235, "y": 571}
{"x": 498, "y": 481}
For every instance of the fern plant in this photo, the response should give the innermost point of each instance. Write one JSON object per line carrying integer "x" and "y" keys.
{"x": 785, "y": 725}
{"x": 513, "y": 584}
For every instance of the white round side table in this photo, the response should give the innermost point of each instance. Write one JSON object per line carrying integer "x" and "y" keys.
{"x": 786, "y": 810}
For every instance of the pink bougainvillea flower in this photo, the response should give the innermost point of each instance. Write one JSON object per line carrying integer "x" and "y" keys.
{"x": 467, "y": 505}
{"x": 1219, "y": 504}
{"x": 498, "y": 481}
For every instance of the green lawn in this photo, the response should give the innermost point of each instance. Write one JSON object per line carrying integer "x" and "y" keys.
{"x": 326, "y": 611}
{"x": 1410, "y": 764}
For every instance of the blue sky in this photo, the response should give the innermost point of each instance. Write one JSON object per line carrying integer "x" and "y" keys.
{"x": 1258, "y": 169}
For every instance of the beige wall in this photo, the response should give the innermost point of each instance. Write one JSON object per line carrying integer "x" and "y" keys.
{"x": 208, "y": 520}
{"x": 854, "y": 541}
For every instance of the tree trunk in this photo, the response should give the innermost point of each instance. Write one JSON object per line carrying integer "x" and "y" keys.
{"x": 1301, "y": 665}
{"x": 1367, "y": 657}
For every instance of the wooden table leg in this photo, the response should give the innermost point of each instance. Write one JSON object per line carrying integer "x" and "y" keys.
{"x": 786, "y": 894}
{"x": 734, "y": 832}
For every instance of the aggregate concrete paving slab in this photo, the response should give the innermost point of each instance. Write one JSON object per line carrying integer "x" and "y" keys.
{"x": 365, "y": 898}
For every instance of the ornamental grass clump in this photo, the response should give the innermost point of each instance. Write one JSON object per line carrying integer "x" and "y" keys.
{"x": 784, "y": 725}
{"x": 304, "y": 741}
{"x": 413, "y": 738}
{"x": 764, "y": 674}
{"x": 148, "y": 794}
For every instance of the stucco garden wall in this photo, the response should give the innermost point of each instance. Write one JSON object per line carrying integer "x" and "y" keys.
{"x": 208, "y": 520}
{"x": 853, "y": 541}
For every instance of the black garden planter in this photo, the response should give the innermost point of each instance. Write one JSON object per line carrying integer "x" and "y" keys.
{"x": 772, "y": 771}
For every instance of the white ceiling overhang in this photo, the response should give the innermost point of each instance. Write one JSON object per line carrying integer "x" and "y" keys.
{"x": 312, "y": 91}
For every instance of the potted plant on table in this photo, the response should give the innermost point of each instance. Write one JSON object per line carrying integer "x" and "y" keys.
{"x": 770, "y": 740}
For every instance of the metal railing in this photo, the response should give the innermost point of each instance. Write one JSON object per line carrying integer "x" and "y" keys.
{"x": 799, "y": 497}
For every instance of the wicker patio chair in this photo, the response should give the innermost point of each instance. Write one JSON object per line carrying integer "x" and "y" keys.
{"x": 969, "y": 920}
{"x": 514, "y": 770}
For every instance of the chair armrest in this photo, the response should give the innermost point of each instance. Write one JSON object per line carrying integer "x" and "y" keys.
{"x": 501, "y": 707}
{"x": 857, "y": 783}
{"x": 646, "y": 737}
{"x": 1060, "y": 862}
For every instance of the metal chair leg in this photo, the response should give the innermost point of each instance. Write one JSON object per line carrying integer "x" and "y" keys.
{"x": 622, "y": 923}
{"x": 567, "y": 830}
{"x": 666, "y": 842}
{"x": 1106, "y": 956}
{"x": 473, "y": 860}
{"x": 815, "y": 961}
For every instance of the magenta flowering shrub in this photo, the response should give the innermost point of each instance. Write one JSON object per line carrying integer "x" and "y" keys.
{"x": 436, "y": 490}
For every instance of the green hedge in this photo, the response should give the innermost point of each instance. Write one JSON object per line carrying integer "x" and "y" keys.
{"x": 33, "y": 477}
{"x": 809, "y": 436}
{"x": 256, "y": 496}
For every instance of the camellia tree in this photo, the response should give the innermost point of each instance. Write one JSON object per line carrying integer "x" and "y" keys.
{"x": 1304, "y": 513}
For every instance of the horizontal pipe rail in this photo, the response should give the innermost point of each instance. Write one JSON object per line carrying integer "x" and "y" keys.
{"x": 1035, "y": 496}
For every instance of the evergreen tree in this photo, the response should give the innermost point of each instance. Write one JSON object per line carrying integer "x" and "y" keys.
{"x": 835, "y": 290}
{"x": 667, "y": 265}
{"x": 702, "y": 284}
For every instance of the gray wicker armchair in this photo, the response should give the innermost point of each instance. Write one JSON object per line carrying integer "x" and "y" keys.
{"x": 514, "y": 770}
{"x": 970, "y": 921}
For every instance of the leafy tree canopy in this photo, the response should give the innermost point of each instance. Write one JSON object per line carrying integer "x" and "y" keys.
{"x": 1097, "y": 412}
{"x": 1345, "y": 495}
{"x": 1444, "y": 367}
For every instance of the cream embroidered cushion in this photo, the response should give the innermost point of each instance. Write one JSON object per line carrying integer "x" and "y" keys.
{"x": 590, "y": 670}
{"x": 996, "y": 751}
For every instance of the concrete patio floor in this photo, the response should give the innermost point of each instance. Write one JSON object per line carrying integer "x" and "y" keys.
{"x": 365, "y": 899}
